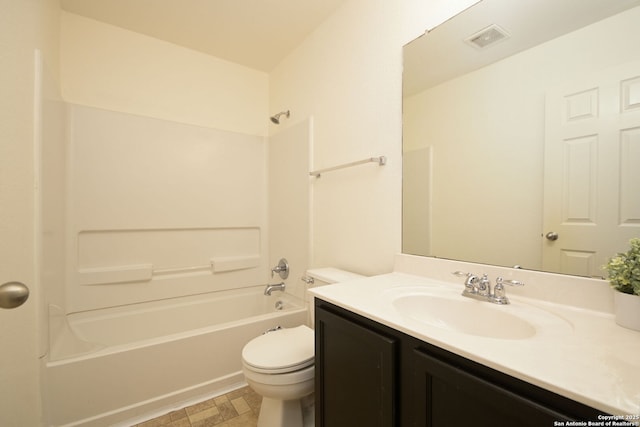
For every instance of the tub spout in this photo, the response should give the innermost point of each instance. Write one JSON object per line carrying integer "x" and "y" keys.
{"x": 271, "y": 288}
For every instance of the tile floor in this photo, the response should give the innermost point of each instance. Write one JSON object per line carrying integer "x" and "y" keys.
{"x": 238, "y": 408}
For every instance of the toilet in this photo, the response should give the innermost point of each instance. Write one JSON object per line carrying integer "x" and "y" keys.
{"x": 279, "y": 364}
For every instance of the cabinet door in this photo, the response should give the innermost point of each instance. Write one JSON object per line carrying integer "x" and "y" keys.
{"x": 355, "y": 374}
{"x": 447, "y": 396}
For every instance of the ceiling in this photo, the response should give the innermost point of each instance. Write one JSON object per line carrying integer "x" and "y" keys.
{"x": 254, "y": 33}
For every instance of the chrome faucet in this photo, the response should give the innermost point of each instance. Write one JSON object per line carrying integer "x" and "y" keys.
{"x": 271, "y": 288}
{"x": 470, "y": 282}
{"x": 480, "y": 288}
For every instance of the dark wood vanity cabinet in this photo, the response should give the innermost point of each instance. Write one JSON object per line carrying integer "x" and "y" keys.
{"x": 368, "y": 374}
{"x": 357, "y": 375}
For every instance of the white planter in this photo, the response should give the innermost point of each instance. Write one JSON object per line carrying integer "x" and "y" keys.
{"x": 627, "y": 310}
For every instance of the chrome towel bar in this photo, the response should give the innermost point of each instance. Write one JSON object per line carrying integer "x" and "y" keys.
{"x": 381, "y": 160}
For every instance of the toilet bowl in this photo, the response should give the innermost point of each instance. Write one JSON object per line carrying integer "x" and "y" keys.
{"x": 278, "y": 365}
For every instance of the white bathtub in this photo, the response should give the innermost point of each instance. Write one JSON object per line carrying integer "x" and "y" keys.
{"x": 114, "y": 365}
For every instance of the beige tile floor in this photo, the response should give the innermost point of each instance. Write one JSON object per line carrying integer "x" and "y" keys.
{"x": 238, "y": 408}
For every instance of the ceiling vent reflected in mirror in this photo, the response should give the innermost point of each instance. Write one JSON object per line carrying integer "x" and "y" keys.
{"x": 488, "y": 36}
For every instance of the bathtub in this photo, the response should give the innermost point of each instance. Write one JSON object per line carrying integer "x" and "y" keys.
{"x": 121, "y": 365}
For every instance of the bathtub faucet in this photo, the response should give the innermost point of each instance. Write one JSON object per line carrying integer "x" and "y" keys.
{"x": 270, "y": 288}
{"x": 282, "y": 269}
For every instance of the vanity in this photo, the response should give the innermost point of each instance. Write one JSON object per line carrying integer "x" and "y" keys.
{"x": 407, "y": 349}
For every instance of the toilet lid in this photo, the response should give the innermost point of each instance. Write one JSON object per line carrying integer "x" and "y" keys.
{"x": 284, "y": 350}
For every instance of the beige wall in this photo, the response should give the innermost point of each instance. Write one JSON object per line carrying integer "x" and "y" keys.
{"x": 108, "y": 67}
{"x": 348, "y": 76}
{"x": 24, "y": 26}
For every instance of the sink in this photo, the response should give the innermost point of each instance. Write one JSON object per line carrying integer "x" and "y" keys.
{"x": 453, "y": 312}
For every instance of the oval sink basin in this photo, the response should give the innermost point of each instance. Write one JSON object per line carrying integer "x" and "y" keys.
{"x": 447, "y": 309}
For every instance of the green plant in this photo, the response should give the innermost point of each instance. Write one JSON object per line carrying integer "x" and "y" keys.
{"x": 624, "y": 269}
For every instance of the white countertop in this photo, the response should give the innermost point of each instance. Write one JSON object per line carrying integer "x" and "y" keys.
{"x": 589, "y": 358}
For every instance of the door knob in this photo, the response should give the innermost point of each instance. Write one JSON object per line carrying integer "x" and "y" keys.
{"x": 13, "y": 294}
{"x": 552, "y": 235}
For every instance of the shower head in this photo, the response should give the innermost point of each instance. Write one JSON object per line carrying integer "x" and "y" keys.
{"x": 276, "y": 119}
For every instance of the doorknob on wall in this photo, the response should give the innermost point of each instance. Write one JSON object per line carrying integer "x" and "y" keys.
{"x": 13, "y": 294}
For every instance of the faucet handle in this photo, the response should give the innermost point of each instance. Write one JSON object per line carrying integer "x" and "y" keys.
{"x": 470, "y": 282}
{"x": 499, "y": 293}
{"x": 282, "y": 269}
{"x": 471, "y": 278}
{"x": 460, "y": 273}
{"x": 500, "y": 280}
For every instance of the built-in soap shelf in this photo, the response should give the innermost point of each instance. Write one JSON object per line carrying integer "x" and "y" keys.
{"x": 112, "y": 256}
{"x": 146, "y": 272}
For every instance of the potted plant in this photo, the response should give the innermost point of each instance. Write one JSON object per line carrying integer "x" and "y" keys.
{"x": 624, "y": 276}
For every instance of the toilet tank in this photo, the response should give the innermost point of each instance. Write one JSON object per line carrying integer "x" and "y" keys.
{"x": 323, "y": 276}
{"x": 329, "y": 275}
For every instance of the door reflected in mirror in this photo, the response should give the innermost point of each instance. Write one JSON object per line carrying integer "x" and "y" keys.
{"x": 536, "y": 135}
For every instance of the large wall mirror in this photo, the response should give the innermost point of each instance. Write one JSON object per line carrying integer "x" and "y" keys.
{"x": 521, "y": 135}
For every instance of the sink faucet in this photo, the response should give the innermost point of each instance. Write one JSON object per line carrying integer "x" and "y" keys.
{"x": 480, "y": 288}
{"x": 470, "y": 282}
{"x": 271, "y": 288}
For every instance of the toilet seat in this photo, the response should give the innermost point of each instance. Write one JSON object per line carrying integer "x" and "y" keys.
{"x": 281, "y": 351}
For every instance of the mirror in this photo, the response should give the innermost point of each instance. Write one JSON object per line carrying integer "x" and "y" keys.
{"x": 521, "y": 124}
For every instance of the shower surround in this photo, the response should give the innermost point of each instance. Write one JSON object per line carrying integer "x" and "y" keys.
{"x": 161, "y": 279}
{"x": 159, "y": 209}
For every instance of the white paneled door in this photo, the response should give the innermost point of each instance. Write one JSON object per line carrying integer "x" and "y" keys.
{"x": 592, "y": 170}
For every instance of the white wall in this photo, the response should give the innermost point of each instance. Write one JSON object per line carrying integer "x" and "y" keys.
{"x": 108, "y": 67}
{"x": 348, "y": 76}
{"x": 496, "y": 117}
